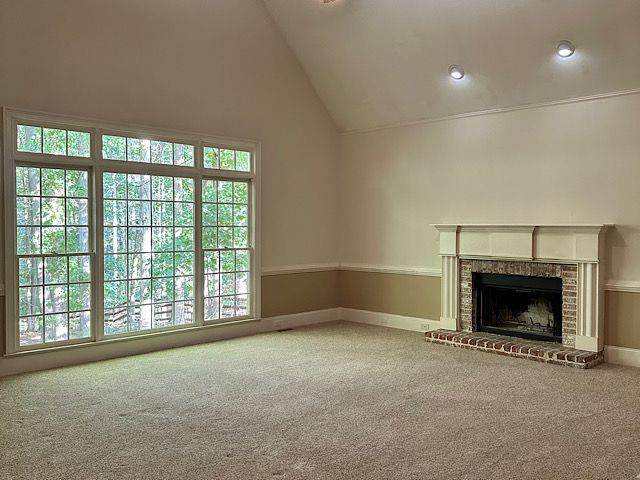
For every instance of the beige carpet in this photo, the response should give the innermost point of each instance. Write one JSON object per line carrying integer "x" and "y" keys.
{"x": 326, "y": 402}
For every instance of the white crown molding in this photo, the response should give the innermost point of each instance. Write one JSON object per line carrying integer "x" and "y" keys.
{"x": 492, "y": 111}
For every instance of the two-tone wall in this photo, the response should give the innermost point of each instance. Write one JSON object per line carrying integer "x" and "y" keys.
{"x": 571, "y": 163}
{"x": 363, "y": 201}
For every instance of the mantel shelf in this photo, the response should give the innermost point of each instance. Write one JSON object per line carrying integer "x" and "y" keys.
{"x": 570, "y": 242}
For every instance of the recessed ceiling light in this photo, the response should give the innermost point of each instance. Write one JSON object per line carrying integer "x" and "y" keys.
{"x": 456, "y": 72}
{"x": 565, "y": 48}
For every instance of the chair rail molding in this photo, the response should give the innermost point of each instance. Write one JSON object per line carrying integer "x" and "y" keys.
{"x": 581, "y": 245}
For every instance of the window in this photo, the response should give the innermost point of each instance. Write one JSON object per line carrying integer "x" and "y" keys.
{"x": 54, "y": 268}
{"x": 148, "y": 252}
{"x": 53, "y": 141}
{"x": 227, "y": 159}
{"x": 147, "y": 151}
{"x": 225, "y": 240}
{"x": 118, "y": 235}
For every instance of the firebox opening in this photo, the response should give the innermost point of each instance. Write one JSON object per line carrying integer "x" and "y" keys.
{"x": 520, "y": 306}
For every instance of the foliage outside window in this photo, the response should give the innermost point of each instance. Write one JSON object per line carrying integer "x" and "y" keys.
{"x": 175, "y": 248}
{"x": 54, "y": 270}
{"x": 225, "y": 240}
{"x": 147, "y": 151}
{"x": 227, "y": 159}
{"x": 149, "y": 252}
{"x": 53, "y": 141}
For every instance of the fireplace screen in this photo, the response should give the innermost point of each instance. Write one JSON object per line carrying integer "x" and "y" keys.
{"x": 522, "y": 306}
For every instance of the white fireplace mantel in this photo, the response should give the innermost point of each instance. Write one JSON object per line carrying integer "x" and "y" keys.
{"x": 575, "y": 244}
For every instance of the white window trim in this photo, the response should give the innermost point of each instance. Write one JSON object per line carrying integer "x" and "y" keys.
{"x": 12, "y": 117}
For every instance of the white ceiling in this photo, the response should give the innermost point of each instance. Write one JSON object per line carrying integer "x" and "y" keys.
{"x": 381, "y": 62}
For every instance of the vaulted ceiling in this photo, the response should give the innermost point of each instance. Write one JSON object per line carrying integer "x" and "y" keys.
{"x": 382, "y": 62}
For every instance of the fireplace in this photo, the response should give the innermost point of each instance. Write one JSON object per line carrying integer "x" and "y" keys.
{"x": 540, "y": 282}
{"x": 518, "y": 305}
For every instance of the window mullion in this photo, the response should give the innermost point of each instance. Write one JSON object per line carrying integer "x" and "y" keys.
{"x": 199, "y": 252}
{"x": 98, "y": 257}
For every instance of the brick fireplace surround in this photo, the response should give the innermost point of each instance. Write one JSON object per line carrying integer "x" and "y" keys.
{"x": 569, "y": 252}
{"x": 568, "y": 273}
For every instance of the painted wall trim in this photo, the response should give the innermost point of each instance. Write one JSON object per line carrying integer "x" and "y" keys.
{"x": 90, "y": 352}
{"x": 399, "y": 269}
{"x": 622, "y": 286}
{"x": 306, "y": 268}
{"x": 611, "y": 285}
{"x": 295, "y": 320}
{"x": 622, "y": 355}
{"x": 380, "y": 319}
{"x": 491, "y": 111}
{"x": 618, "y": 355}
{"x": 354, "y": 267}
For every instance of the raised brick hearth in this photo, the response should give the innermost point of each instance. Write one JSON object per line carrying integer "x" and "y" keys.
{"x": 515, "y": 347}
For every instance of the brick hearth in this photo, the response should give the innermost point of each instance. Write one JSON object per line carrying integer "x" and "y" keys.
{"x": 514, "y": 347}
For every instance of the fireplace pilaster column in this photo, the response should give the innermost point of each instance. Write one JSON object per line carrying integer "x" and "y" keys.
{"x": 449, "y": 300}
{"x": 589, "y": 312}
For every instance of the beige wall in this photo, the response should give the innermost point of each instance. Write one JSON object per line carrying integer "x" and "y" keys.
{"x": 622, "y": 326}
{"x": 300, "y": 292}
{"x": 410, "y": 295}
{"x": 571, "y": 163}
{"x": 219, "y": 67}
{"x": 419, "y": 296}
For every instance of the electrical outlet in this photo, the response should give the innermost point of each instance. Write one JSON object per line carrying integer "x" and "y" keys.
{"x": 424, "y": 327}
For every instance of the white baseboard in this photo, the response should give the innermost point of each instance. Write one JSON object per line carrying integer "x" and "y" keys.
{"x": 389, "y": 320}
{"x": 618, "y": 355}
{"x": 622, "y": 356}
{"x": 301, "y": 319}
{"x": 91, "y": 352}
{"x": 84, "y": 353}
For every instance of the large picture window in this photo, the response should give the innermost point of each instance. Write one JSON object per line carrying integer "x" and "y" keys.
{"x": 118, "y": 234}
{"x": 148, "y": 252}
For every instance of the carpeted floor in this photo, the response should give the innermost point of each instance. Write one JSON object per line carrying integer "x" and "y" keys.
{"x": 332, "y": 401}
